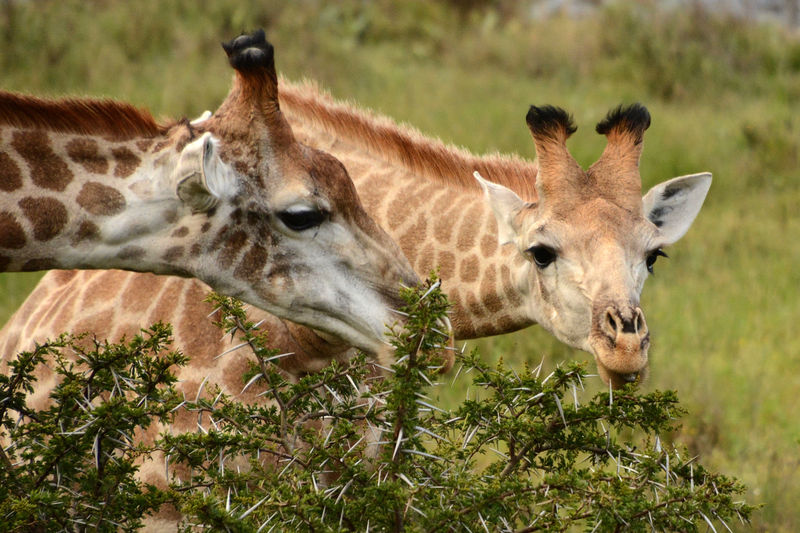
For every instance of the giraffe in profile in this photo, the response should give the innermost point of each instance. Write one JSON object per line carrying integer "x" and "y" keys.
{"x": 234, "y": 200}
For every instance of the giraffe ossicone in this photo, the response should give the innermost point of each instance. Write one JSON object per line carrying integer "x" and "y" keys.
{"x": 231, "y": 198}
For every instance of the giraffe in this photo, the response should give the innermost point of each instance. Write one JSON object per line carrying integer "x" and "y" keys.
{"x": 234, "y": 200}
{"x": 547, "y": 243}
{"x": 544, "y": 242}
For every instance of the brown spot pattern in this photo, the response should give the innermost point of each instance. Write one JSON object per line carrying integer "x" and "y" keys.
{"x": 97, "y": 289}
{"x": 447, "y": 265}
{"x": 488, "y": 245}
{"x": 488, "y": 291}
{"x": 252, "y": 264}
{"x": 139, "y": 291}
{"x": 235, "y": 370}
{"x": 203, "y": 332}
{"x": 443, "y": 228}
{"x": 505, "y": 323}
{"x": 205, "y": 227}
{"x": 220, "y": 238}
{"x": 281, "y": 272}
{"x": 425, "y": 260}
{"x": 92, "y": 323}
{"x": 195, "y": 249}
{"x": 183, "y": 231}
{"x": 173, "y": 254}
{"x": 48, "y": 216}
{"x": 412, "y": 238}
{"x": 372, "y": 196}
{"x": 99, "y": 199}
{"x": 468, "y": 233}
{"x": 468, "y": 269}
{"x": 40, "y": 263}
{"x": 144, "y": 144}
{"x": 241, "y": 167}
{"x": 86, "y": 152}
{"x": 62, "y": 311}
{"x": 447, "y": 218}
{"x": 87, "y": 231}
{"x": 11, "y": 233}
{"x": 126, "y": 161}
{"x": 160, "y": 146}
{"x": 231, "y": 249}
{"x": 169, "y": 298}
{"x": 10, "y": 175}
{"x": 474, "y": 306}
{"x": 131, "y": 252}
{"x": 47, "y": 169}
{"x": 512, "y": 294}
{"x": 398, "y": 208}
{"x": 444, "y": 202}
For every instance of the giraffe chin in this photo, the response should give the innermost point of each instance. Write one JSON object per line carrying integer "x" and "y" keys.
{"x": 383, "y": 352}
{"x": 619, "y": 379}
{"x": 623, "y": 363}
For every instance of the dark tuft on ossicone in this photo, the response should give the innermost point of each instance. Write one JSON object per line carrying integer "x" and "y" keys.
{"x": 250, "y": 51}
{"x": 549, "y": 120}
{"x": 634, "y": 118}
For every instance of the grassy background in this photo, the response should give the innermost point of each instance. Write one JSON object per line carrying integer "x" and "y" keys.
{"x": 723, "y": 94}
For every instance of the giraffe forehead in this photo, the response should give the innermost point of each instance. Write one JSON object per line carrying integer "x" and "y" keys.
{"x": 329, "y": 173}
{"x": 305, "y": 173}
{"x": 324, "y": 176}
{"x": 592, "y": 223}
{"x": 286, "y": 193}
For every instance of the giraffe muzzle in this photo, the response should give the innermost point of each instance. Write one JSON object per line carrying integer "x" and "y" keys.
{"x": 620, "y": 342}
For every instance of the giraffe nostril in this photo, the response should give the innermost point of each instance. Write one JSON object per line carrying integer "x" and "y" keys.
{"x": 612, "y": 322}
{"x": 618, "y": 322}
{"x": 641, "y": 323}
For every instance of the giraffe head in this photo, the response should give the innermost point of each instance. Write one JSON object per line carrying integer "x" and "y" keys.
{"x": 283, "y": 219}
{"x": 590, "y": 239}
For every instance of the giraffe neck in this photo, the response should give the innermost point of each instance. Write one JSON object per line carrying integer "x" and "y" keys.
{"x": 80, "y": 201}
{"x": 115, "y": 304}
{"x": 423, "y": 194}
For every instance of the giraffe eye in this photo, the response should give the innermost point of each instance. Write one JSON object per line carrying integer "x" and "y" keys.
{"x": 302, "y": 219}
{"x": 542, "y": 255}
{"x": 652, "y": 257}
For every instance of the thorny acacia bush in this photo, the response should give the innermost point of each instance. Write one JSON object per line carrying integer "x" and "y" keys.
{"x": 528, "y": 455}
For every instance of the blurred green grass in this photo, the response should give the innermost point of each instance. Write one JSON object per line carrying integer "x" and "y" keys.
{"x": 723, "y": 94}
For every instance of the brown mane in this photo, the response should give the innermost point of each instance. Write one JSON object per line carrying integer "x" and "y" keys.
{"x": 85, "y": 116}
{"x": 404, "y": 145}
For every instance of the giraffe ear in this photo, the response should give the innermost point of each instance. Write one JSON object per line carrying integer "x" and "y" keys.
{"x": 201, "y": 177}
{"x": 673, "y": 205}
{"x": 505, "y": 204}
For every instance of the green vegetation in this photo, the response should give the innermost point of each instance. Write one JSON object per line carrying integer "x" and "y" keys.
{"x": 69, "y": 466}
{"x": 723, "y": 95}
{"x": 524, "y": 454}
